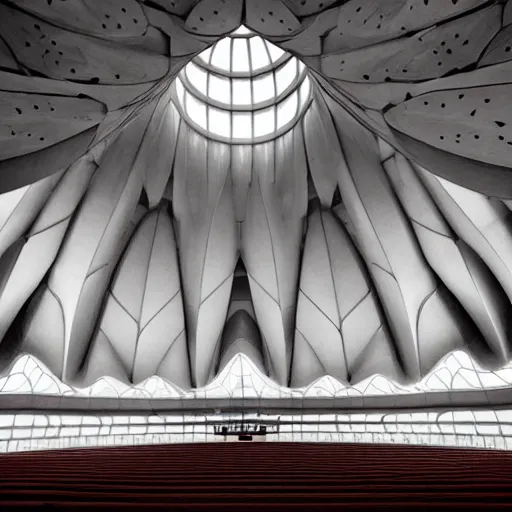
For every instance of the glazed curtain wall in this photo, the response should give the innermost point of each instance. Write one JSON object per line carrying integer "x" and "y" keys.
{"x": 460, "y": 428}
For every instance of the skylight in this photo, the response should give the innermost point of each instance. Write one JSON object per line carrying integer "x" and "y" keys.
{"x": 243, "y": 89}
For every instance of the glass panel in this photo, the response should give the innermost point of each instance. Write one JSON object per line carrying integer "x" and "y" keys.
{"x": 180, "y": 91}
{"x": 275, "y": 52}
{"x": 305, "y": 90}
{"x": 243, "y": 55}
{"x": 241, "y": 30}
{"x": 197, "y": 77}
{"x": 264, "y": 121}
{"x": 242, "y": 125}
{"x": 464, "y": 428}
{"x": 286, "y": 110}
{"x": 219, "y": 122}
{"x": 286, "y": 75}
{"x": 242, "y": 92}
{"x": 221, "y": 56}
{"x": 263, "y": 88}
{"x": 240, "y": 55}
{"x": 196, "y": 110}
{"x": 206, "y": 54}
{"x": 259, "y": 55}
{"x": 219, "y": 89}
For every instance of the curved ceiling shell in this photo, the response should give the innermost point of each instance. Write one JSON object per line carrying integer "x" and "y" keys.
{"x": 177, "y": 190}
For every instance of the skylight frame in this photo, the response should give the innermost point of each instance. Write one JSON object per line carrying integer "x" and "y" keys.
{"x": 248, "y": 112}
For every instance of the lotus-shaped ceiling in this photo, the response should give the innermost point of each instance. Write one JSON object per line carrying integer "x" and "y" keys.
{"x": 324, "y": 187}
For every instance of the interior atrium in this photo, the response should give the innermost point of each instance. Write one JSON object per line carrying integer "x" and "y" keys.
{"x": 293, "y": 215}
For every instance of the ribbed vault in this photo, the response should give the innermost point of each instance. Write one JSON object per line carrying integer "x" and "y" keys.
{"x": 323, "y": 187}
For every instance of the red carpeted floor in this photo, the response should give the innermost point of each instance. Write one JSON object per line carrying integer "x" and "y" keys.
{"x": 256, "y": 476}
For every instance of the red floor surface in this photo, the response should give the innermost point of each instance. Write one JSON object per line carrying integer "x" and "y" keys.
{"x": 257, "y": 476}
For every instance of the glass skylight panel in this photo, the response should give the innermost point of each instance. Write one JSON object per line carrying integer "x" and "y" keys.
{"x": 285, "y": 76}
{"x": 205, "y": 55}
{"x": 304, "y": 92}
{"x": 259, "y": 54}
{"x": 197, "y": 77}
{"x": 219, "y": 122}
{"x": 275, "y": 52}
{"x": 263, "y": 88}
{"x": 180, "y": 91}
{"x": 286, "y": 110}
{"x": 240, "y": 61}
{"x": 238, "y": 86}
{"x": 264, "y": 121}
{"x": 221, "y": 56}
{"x": 196, "y": 110}
{"x": 242, "y": 30}
{"x": 219, "y": 89}
{"x": 242, "y": 125}
{"x": 241, "y": 91}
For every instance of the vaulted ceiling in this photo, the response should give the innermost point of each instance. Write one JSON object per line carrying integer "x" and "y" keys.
{"x": 354, "y": 221}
